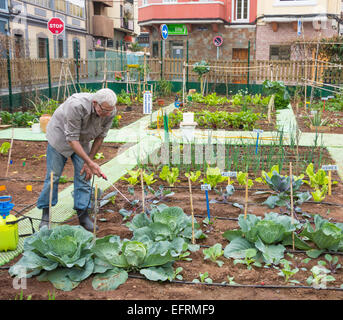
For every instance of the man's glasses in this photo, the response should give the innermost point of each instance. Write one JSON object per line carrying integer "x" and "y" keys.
{"x": 103, "y": 110}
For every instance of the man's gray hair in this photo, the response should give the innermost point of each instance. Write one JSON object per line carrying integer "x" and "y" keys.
{"x": 105, "y": 95}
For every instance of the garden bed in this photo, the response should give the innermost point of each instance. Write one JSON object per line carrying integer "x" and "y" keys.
{"x": 223, "y": 218}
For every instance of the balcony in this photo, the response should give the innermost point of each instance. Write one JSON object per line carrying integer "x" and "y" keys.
{"x": 103, "y": 27}
{"x": 126, "y": 24}
{"x": 182, "y": 13}
{"x": 106, "y": 3}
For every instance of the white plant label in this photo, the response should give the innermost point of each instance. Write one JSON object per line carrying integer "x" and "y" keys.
{"x": 205, "y": 187}
{"x": 259, "y": 131}
{"x": 229, "y": 174}
{"x": 330, "y": 167}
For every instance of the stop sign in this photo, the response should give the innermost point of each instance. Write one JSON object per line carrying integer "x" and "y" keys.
{"x": 56, "y": 25}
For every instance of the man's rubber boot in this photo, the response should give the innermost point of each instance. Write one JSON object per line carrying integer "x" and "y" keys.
{"x": 45, "y": 218}
{"x": 85, "y": 220}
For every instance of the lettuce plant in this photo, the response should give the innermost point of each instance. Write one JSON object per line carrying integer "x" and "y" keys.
{"x": 213, "y": 177}
{"x": 170, "y": 175}
{"x": 61, "y": 255}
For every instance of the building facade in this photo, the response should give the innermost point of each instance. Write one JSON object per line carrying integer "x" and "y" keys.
{"x": 282, "y": 23}
{"x": 196, "y": 24}
{"x": 28, "y": 26}
{"x": 112, "y": 24}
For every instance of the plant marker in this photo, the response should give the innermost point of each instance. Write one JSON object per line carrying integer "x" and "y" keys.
{"x": 29, "y": 188}
{"x": 142, "y": 184}
{"x": 258, "y": 135}
{"x": 50, "y": 198}
{"x": 291, "y": 186}
{"x": 24, "y": 164}
{"x": 329, "y": 168}
{"x": 246, "y": 197}
{"x": 207, "y": 187}
{"x": 324, "y": 99}
{"x": 192, "y": 210}
{"x": 2, "y": 188}
{"x": 9, "y": 154}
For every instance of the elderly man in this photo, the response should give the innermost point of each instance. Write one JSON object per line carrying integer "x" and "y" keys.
{"x": 82, "y": 118}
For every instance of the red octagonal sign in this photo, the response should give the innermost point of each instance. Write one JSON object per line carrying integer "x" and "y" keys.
{"x": 56, "y": 25}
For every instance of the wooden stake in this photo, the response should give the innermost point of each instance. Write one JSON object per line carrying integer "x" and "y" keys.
{"x": 50, "y": 198}
{"x": 95, "y": 209}
{"x": 329, "y": 183}
{"x": 142, "y": 184}
{"x": 10, "y": 153}
{"x": 292, "y": 209}
{"x": 192, "y": 210}
{"x": 246, "y": 197}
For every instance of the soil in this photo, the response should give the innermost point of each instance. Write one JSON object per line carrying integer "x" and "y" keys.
{"x": 111, "y": 222}
{"x": 335, "y": 124}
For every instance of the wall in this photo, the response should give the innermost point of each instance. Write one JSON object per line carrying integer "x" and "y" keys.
{"x": 285, "y": 34}
{"x": 276, "y": 7}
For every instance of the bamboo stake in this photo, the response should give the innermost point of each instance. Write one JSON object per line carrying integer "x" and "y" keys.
{"x": 142, "y": 184}
{"x": 10, "y": 153}
{"x": 329, "y": 183}
{"x": 50, "y": 198}
{"x": 192, "y": 210}
{"x": 292, "y": 209}
{"x": 95, "y": 209}
{"x": 246, "y": 197}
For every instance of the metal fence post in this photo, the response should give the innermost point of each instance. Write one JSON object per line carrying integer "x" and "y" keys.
{"x": 248, "y": 75}
{"x": 161, "y": 59}
{"x": 48, "y": 65}
{"x": 10, "y": 97}
{"x": 187, "y": 66}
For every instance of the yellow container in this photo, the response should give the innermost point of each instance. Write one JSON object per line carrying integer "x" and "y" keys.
{"x": 8, "y": 233}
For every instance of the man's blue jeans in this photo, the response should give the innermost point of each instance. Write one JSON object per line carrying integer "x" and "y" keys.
{"x": 82, "y": 190}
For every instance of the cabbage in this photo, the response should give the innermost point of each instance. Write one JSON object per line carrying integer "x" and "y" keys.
{"x": 61, "y": 255}
{"x": 325, "y": 235}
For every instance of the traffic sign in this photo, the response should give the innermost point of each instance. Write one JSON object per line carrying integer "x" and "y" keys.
{"x": 218, "y": 41}
{"x": 56, "y": 25}
{"x": 164, "y": 31}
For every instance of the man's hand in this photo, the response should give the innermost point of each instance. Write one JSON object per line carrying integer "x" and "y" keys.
{"x": 91, "y": 169}
{"x": 87, "y": 170}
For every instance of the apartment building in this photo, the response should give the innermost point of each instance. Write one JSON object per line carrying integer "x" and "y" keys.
{"x": 281, "y": 23}
{"x": 198, "y": 23}
{"x": 111, "y": 23}
{"x": 4, "y": 16}
{"x": 28, "y": 25}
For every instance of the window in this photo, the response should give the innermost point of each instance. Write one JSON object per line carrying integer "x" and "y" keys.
{"x": 155, "y": 49}
{"x": 42, "y": 3}
{"x": 75, "y": 10}
{"x": 41, "y": 48}
{"x": 60, "y": 48}
{"x": 3, "y": 5}
{"x": 280, "y": 52}
{"x": 240, "y": 10}
{"x": 295, "y": 2}
{"x": 60, "y": 5}
{"x": 145, "y": 2}
{"x": 169, "y": 1}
